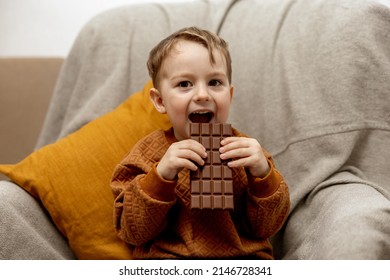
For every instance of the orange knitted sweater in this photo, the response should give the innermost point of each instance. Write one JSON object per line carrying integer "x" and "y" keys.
{"x": 153, "y": 215}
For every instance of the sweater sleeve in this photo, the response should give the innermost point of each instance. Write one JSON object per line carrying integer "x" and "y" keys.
{"x": 138, "y": 217}
{"x": 142, "y": 197}
{"x": 268, "y": 203}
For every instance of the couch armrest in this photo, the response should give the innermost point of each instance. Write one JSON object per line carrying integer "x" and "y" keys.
{"x": 26, "y": 86}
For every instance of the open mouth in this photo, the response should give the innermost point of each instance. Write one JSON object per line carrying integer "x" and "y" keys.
{"x": 201, "y": 117}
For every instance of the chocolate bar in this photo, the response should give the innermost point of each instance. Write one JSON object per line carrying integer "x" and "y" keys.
{"x": 212, "y": 184}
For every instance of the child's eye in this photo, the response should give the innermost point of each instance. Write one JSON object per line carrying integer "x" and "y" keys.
{"x": 184, "y": 84}
{"x": 214, "y": 83}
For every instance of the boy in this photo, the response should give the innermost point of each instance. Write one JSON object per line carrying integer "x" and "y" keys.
{"x": 191, "y": 72}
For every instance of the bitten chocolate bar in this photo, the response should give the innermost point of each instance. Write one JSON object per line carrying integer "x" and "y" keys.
{"x": 212, "y": 184}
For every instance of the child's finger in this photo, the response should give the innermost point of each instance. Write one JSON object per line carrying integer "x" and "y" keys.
{"x": 232, "y": 143}
{"x": 241, "y": 162}
{"x": 191, "y": 156}
{"x": 235, "y": 153}
{"x": 231, "y": 139}
{"x": 195, "y": 146}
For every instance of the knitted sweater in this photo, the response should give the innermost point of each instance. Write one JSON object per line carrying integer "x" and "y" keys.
{"x": 153, "y": 215}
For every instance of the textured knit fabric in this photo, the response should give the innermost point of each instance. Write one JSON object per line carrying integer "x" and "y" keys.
{"x": 154, "y": 215}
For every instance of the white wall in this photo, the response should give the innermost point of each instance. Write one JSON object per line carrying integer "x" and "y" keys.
{"x": 48, "y": 27}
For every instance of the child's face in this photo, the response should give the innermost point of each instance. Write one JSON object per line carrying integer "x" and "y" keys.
{"x": 191, "y": 89}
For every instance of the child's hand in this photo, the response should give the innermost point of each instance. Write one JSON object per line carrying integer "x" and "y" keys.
{"x": 245, "y": 152}
{"x": 183, "y": 154}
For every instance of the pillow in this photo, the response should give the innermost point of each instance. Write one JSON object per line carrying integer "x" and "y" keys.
{"x": 71, "y": 177}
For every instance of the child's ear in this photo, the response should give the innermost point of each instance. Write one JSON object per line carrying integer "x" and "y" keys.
{"x": 156, "y": 98}
{"x": 231, "y": 93}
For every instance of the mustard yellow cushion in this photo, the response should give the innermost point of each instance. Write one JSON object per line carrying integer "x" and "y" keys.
{"x": 71, "y": 177}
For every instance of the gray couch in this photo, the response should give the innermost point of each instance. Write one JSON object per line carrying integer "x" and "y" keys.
{"x": 312, "y": 84}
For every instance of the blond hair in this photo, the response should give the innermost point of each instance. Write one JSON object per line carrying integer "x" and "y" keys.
{"x": 206, "y": 38}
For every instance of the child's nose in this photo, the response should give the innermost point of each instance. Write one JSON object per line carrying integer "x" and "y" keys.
{"x": 202, "y": 94}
